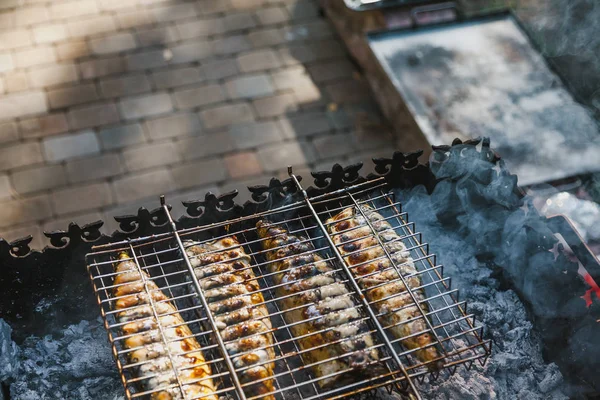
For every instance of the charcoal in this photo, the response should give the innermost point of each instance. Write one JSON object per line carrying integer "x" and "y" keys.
{"x": 551, "y": 381}
{"x": 516, "y": 368}
{"x": 507, "y": 261}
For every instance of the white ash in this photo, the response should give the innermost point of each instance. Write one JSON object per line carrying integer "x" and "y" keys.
{"x": 516, "y": 369}
{"x": 9, "y": 353}
{"x": 75, "y": 363}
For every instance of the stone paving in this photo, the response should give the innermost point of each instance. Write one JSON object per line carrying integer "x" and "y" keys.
{"x": 105, "y": 104}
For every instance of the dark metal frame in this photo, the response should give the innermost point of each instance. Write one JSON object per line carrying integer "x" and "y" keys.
{"x": 382, "y": 4}
{"x": 18, "y": 261}
{"x": 400, "y": 170}
{"x": 28, "y": 275}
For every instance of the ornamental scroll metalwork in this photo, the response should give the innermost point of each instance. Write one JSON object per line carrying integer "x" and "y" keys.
{"x": 16, "y": 248}
{"x": 463, "y": 160}
{"x": 276, "y": 193}
{"x": 400, "y": 170}
{"x": 142, "y": 224}
{"x": 212, "y": 209}
{"x": 87, "y": 233}
{"x": 403, "y": 170}
{"x": 338, "y": 178}
{"x": 445, "y": 158}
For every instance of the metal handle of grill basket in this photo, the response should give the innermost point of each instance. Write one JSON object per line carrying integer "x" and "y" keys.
{"x": 354, "y": 284}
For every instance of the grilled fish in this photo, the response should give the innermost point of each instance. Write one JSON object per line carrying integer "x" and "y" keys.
{"x": 322, "y": 300}
{"x": 145, "y": 338}
{"x": 351, "y": 234}
{"x": 225, "y": 275}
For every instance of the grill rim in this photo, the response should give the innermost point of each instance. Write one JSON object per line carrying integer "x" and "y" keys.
{"x": 401, "y": 170}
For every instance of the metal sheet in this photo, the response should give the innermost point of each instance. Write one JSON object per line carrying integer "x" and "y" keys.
{"x": 484, "y": 78}
{"x": 365, "y": 5}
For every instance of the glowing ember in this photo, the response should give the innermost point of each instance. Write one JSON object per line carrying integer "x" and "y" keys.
{"x": 594, "y": 289}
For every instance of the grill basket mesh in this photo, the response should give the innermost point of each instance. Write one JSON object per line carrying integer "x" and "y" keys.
{"x": 456, "y": 335}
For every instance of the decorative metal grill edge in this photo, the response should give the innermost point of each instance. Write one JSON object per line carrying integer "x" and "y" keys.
{"x": 401, "y": 170}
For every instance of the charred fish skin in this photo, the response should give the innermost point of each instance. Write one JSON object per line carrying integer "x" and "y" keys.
{"x": 322, "y": 300}
{"x": 358, "y": 244}
{"x": 233, "y": 295}
{"x": 145, "y": 340}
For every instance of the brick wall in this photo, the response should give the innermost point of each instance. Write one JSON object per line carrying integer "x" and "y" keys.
{"x": 105, "y": 104}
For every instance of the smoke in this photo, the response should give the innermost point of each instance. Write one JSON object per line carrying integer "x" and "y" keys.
{"x": 516, "y": 368}
{"x": 507, "y": 261}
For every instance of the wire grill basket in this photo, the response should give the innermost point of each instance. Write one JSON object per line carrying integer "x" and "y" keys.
{"x": 167, "y": 274}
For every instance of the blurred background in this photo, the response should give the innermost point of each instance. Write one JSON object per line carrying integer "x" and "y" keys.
{"x": 106, "y": 104}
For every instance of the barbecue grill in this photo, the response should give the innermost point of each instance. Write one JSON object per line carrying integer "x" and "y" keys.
{"x": 164, "y": 258}
{"x": 155, "y": 243}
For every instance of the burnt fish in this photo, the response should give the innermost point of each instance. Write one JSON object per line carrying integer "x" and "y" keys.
{"x": 380, "y": 280}
{"x": 234, "y": 298}
{"x": 308, "y": 288}
{"x": 135, "y": 293}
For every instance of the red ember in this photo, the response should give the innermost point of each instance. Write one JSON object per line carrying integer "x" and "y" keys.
{"x": 594, "y": 289}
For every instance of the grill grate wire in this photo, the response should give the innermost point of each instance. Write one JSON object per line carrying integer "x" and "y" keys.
{"x": 457, "y": 336}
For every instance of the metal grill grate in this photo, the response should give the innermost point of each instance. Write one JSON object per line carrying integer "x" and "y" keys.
{"x": 162, "y": 260}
